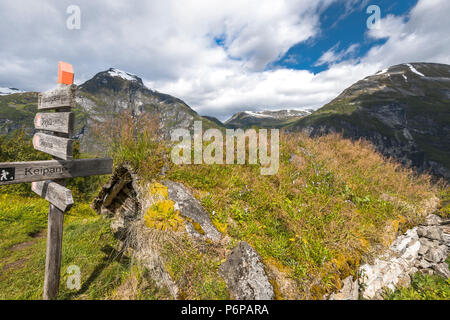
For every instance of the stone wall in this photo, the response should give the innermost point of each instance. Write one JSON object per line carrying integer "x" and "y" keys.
{"x": 421, "y": 249}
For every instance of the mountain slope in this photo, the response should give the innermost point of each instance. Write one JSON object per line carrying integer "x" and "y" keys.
{"x": 17, "y": 110}
{"x": 215, "y": 120}
{"x": 404, "y": 110}
{"x": 110, "y": 92}
{"x": 264, "y": 119}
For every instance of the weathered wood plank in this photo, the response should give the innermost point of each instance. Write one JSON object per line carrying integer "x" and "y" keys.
{"x": 53, "y": 192}
{"x": 54, "y": 252}
{"x": 115, "y": 190}
{"x": 21, "y": 172}
{"x": 61, "y": 97}
{"x": 56, "y": 146}
{"x": 58, "y": 122}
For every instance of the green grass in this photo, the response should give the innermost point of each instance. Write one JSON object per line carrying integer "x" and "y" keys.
{"x": 87, "y": 243}
{"x": 316, "y": 218}
{"x": 313, "y": 221}
{"x": 20, "y": 219}
{"x": 423, "y": 287}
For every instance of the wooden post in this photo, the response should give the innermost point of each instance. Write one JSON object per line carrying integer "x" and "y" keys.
{"x": 54, "y": 252}
{"x": 55, "y": 231}
{"x": 55, "y": 226}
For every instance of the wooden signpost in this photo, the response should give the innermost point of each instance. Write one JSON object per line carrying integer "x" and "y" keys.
{"x": 57, "y": 122}
{"x": 48, "y": 177}
{"x": 54, "y": 193}
{"x": 61, "y": 97}
{"x": 21, "y": 172}
{"x": 56, "y": 146}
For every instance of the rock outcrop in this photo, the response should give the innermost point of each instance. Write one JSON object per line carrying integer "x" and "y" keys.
{"x": 244, "y": 274}
{"x": 145, "y": 215}
{"x": 190, "y": 208}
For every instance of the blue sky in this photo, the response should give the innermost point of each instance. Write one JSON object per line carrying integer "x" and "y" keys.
{"x": 219, "y": 56}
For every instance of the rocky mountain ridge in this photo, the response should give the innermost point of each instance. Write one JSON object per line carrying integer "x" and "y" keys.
{"x": 404, "y": 110}
{"x": 265, "y": 119}
{"x": 113, "y": 91}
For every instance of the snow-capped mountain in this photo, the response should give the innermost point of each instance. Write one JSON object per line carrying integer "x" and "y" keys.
{"x": 7, "y": 91}
{"x": 101, "y": 98}
{"x": 404, "y": 110}
{"x": 265, "y": 119}
{"x": 113, "y": 72}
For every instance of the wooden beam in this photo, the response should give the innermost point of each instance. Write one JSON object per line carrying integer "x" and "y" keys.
{"x": 54, "y": 251}
{"x": 21, "y": 172}
{"x": 54, "y": 193}
{"x": 61, "y": 97}
{"x": 58, "y": 122}
{"x": 56, "y": 146}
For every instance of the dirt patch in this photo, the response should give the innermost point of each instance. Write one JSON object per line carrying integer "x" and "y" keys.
{"x": 35, "y": 237}
{"x": 20, "y": 246}
{"x": 14, "y": 265}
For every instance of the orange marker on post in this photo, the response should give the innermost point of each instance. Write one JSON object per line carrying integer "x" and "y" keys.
{"x": 65, "y": 73}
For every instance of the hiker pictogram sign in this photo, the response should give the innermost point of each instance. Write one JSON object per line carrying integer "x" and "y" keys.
{"x": 48, "y": 177}
{"x": 7, "y": 174}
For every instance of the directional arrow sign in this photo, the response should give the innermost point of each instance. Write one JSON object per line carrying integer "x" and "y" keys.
{"x": 54, "y": 193}
{"x": 57, "y": 122}
{"x": 60, "y": 97}
{"x": 56, "y": 146}
{"x": 20, "y": 172}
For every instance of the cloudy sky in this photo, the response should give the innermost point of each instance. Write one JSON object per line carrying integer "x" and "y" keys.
{"x": 222, "y": 56}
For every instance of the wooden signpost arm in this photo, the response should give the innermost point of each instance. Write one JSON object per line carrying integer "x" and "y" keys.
{"x": 31, "y": 171}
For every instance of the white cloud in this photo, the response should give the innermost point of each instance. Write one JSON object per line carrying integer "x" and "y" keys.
{"x": 423, "y": 37}
{"x": 332, "y": 55}
{"x": 172, "y": 46}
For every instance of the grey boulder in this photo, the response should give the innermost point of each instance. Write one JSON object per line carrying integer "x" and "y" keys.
{"x": 244, "y": 274}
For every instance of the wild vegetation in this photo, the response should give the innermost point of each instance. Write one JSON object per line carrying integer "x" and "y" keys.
{"x": 87, "y": 242}
{"x": 332, "y": 204}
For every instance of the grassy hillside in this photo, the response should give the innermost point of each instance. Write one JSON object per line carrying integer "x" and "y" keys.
{"x": 332, "y": 203}
{"x": 316, "y": 219}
